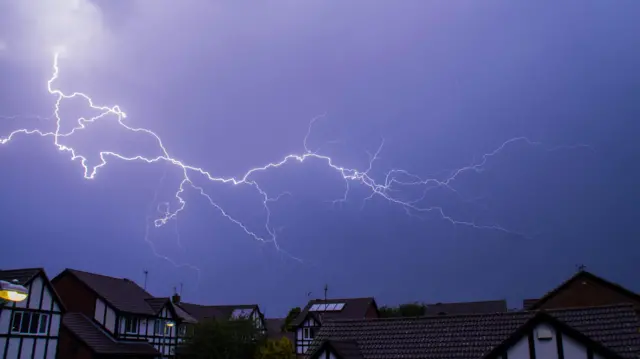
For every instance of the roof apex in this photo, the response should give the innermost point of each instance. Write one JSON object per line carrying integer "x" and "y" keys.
{"x": 543, "y": 316}
{"x": 122, "y": 294}
{"x": 354, "y": 308}
{"x": 581, "y": 274}
{"x": 23, "y": 275}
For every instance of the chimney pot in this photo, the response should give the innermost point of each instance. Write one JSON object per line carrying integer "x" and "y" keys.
{"x": 175, "y": 299}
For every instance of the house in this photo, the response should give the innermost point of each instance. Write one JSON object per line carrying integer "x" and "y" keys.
{"x": 589, "y": 333}
{"x": 226, "y": 312}
{"x": 275, "y": 329}
{"x": 114, "y": 317}
{"x": 183, "y": 320}
{"x": 30, "y": 328}
{"x": 527, "y": 303}
{"x": 584, "y": 289}
{"x": 199, "y": 313}
{"x": 317, "y": 311}
{"x": 488, "y": 306}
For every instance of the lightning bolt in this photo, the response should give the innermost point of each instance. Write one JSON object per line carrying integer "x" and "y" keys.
{"x": 393, "y": 181}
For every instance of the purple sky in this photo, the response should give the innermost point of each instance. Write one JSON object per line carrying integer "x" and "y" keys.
{"x": 231, "y": 85}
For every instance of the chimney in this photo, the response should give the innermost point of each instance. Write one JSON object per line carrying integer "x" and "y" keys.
{"x": 175, "y": 298}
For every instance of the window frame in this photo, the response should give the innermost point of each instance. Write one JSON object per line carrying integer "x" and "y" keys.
{"x": 42, "y": 328}
{"x": 134, "y": 321}
{"x": 160, "y": 328}
{"x": 182, "y": 330}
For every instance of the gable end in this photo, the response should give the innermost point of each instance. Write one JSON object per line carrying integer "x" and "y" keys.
{"x": 546, "y": 337}
{"x": 586, "y": 290}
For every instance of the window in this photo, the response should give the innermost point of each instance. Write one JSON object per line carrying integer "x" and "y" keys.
{"x": 330, "y": 307}
{"x": 131, "y": 325}
{"x": 307, "y": 334}
{"x": 257, "y": 322}
{"x": 241, "y": 313}
{"x": 182, "y": 331}
{"x": 29, "y": 323}
{"x": 157, "y": 327}
{"x": 161, "y": 328}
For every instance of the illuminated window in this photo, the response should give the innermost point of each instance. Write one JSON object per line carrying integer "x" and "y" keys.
{"x": 161, "y": 328}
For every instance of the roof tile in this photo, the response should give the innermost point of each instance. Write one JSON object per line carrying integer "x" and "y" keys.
{"x": 124, "y": 294}
{"x": 527, "y": 303}
{"x": 274, "y": 329}
{"x": 157, "y": 304}
{"x": 489, "y": 306}
{"x": 201, "y": 312}
{"x": 22, "y": 276}
{"x": 347, "y": 349}
{"x": 582, "y": 275}
{"x": 472, "y": 335}
{"x": 182, "y": 314}
{"x": 274, "y": 326}
{"x": 101, "y": 342}
{"x": 354, "y": 308}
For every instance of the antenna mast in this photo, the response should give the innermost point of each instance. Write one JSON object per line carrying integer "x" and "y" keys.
{"x": 146, "y": 274}
{"x": 326, "y": 288}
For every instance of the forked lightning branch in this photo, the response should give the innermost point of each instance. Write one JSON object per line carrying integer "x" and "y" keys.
{"x": 387, "y": 187}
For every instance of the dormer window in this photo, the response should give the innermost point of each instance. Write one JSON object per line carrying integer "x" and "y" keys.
{"x": 131, "y": 325}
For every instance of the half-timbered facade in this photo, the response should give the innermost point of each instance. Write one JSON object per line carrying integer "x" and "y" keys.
{"x": 30, "y": 328}
{"x": 123, "y": 311}
{"x": 310, "y": 319}
{"x": 305, "y": 333}
{"x": 159, "y": 329}
{"x": 186, "y": 323}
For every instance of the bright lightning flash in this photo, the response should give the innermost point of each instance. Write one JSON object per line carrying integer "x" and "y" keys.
{"x": 392, "y": 181}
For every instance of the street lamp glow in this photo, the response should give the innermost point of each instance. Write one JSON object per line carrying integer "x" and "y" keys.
{"x": 170, "y": 324}
{"x": 12, "y": 292}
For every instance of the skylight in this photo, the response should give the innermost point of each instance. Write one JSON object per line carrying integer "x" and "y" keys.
{"x": 328, "y": 307}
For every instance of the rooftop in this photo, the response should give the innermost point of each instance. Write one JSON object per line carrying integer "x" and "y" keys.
{"x": 473, "y": 335}
{"x": 101, "y": 342}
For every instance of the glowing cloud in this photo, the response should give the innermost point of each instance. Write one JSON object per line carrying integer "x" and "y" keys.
{"x": 37, "y": 28}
